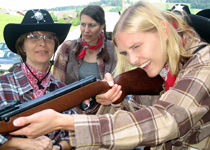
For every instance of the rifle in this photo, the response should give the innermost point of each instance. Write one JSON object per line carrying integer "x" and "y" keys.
{"x": 132, "y": 82}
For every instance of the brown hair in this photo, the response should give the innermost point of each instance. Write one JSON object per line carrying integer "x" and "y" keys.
{"x": 96, "y": 12}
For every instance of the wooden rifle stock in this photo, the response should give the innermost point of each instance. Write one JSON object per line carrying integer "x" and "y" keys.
{"x": 133, "y": 82}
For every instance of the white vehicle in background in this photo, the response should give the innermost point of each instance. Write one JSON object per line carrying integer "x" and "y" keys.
{"x": 8, "y": 60}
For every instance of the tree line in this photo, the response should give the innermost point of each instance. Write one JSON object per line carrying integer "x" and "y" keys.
{"x": 195, "y": 4}
{"x": 116, "y": 3}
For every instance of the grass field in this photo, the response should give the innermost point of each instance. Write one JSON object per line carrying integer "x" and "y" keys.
{"x": 5, "y": 19}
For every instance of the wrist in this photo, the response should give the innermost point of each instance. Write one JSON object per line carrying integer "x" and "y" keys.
{"x": 58, "y": 121}
{"x": 117, "y": 106}
{"x": 65, "y": 122}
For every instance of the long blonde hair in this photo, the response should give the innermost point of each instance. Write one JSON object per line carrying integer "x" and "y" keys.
{"x": 145, "y": 17}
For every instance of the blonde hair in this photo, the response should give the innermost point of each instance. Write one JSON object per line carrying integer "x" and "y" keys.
{"x": 145, "y": 17}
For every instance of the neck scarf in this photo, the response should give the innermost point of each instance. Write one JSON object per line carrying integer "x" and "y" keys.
{"x": 43, "y": 77}
{"x": 166, "y": 75}
{"x": 86, "y": 46}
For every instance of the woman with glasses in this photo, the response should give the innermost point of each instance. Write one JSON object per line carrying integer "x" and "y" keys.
{"x": 90, "y": 54}
{"x": 35, "y": 40}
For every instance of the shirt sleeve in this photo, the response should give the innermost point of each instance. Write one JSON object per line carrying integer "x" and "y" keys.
{"x": 172, "y": 116}
{"x": 4, "y": 138}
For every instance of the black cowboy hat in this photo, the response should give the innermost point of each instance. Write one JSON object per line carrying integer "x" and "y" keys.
{"x": 181, "y": 7}
{"x": 34, "y": 20}
{"x": 200, "y": 21}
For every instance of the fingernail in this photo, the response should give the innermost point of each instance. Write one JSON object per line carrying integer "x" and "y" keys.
{"x": 16, "y": 122}
{"x": 111, "y": 83}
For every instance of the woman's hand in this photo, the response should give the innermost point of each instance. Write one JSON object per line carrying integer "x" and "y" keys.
{"x": 17, "y": 143}
{"x": 37, "y": 124}
{"x": 111, "y": 95}
{"x": 41, "y": 142}
{"x": 64, "y": 144}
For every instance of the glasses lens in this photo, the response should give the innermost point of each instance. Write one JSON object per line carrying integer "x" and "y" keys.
{"x": 31, "y": 36}
{"x": 49, "y": 37}
{"x": 36, "y": 38}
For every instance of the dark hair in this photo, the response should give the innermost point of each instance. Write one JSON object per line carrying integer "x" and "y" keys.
{"x": 96, "y": 12}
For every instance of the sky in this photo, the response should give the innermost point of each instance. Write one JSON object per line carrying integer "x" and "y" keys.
{"x": 33, "y": 4}
{"x": 38, "y": 4}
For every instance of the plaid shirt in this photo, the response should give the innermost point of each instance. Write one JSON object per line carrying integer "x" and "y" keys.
{"x": 178, "y": 118}
{"x": 15, "y": 85}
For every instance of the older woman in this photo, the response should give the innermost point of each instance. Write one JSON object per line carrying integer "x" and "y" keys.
{"x": 35, "y": 40}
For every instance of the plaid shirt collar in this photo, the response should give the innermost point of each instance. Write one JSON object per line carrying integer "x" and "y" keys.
{"x": 24, "y": 86}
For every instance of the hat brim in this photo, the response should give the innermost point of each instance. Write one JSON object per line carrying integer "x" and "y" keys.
{"x": 13, "y": 31}
{"x": 204, "y": 13}
{"x": 201, "y": 25}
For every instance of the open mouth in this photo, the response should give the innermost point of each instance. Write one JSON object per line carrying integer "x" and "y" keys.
{"x": 87, "y": 36}
{"x": 144, "y": 65}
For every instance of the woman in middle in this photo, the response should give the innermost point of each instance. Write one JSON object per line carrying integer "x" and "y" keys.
{"x": 90, "y": 54}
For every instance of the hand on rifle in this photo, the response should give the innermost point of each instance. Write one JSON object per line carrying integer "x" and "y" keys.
{"x": 111, "y": 95}
{"x": 42, "y": 123}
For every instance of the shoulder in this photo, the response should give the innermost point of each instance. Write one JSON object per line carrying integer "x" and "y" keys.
{"x": 65, "y": 46}
{"x": 109, "y": 43}
{"x": 16, "y": 74}
{"x": 7, "y": 79}
{"x": 14, "y": 84}
{"x": 198, "y": 65}
{"x": 57, "y": 83}
{"x": 109, "y": 46}
{"x": 204, "y": 51}
{"x": 68, "y": 42}
{"x": 201, "y": 57}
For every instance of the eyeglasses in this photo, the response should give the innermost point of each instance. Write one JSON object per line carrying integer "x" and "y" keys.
{"x": 37, "y": 38}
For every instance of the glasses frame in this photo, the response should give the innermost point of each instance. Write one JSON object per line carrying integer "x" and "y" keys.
{"x": 37, "y": 38}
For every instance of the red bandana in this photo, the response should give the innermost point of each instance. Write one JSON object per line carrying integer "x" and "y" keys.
{"x": 83, "y": 52}
{"x": 166, "y": 75}
{"x": 33, "y": 81}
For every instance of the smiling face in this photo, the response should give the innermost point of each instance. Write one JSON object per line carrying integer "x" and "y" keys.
{"x": 90, "y": 29}
{"x": 143, "y": 50}
{"x": 39, "y": 51}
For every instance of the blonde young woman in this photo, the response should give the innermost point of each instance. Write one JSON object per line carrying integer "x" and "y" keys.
{"x": 161, "y": 43}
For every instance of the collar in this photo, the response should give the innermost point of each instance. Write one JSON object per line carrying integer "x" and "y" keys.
{"x": 166, "y": 75}
{"x": 86, "y": 46}
{"x": 23, "y": 86}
